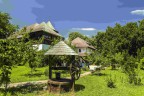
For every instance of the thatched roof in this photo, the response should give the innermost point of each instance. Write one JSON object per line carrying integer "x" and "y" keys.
{"x": 47, "y": 27}
{"x": 80, "y": 43}
{"x": 50, "y": 25}
{"x": 61, "y": 49}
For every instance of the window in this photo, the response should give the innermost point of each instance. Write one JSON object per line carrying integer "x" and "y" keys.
{"x": 79, "y": 50}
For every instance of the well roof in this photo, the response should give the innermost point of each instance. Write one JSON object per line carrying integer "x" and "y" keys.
{"x": 61, "y": 49}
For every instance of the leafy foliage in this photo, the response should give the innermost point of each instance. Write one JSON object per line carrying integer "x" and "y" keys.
{"x": 121, "y": 38}
{"x": 6, "y": 28}
{"x": 124, "y": 46}
{"x": 13, "y": 51}
{"x": 74, "y": 35}
{"x": 11, "y": 54}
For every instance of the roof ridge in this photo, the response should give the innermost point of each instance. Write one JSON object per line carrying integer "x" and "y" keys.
{"x": 61, "y": 48}
{"x": 49, "y": 24}
{"x": 79, "y": 42}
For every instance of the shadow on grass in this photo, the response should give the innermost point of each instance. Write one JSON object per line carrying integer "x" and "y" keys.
{"x": 66, "y": 88}
{"x": 32, "y": 88}
{"x": 79, "y": 87}
{"x": 33, "y": 75}
{"x": 99, "y": 74}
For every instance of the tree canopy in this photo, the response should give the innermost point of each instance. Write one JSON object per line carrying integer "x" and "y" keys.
{"x": 74, "y": 35}
{"x": 13, "y": 51}
{"x": 6, "y": 28}
{"x": 129, "y": 37}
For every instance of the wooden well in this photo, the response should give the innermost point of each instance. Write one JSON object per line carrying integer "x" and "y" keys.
{"x": 61, "y": 84}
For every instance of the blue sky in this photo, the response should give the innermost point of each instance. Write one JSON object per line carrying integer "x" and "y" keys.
{"x": 85, "y": 16}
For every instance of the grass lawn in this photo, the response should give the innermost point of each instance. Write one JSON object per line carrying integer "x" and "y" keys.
{"x": 22, "y": 74}
{"x": 94, "y": 85}
{"x": 97, "y": 86}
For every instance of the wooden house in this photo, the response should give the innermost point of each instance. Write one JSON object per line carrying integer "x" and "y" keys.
{"x": 83, "y": 47}
{"x": 45, "y": 30}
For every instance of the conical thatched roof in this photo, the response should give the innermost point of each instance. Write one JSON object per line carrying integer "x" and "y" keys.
{"x": 61, "y": 49}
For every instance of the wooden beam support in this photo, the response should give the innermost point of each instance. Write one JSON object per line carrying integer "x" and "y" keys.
{"x": 60, "y": 68}
{"x": 73, "y": 77}
{"x": 50, "y": 70}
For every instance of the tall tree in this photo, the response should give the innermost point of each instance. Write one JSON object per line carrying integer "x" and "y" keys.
{"x": 13, "y": 51}
{"x": 6, "y": 28}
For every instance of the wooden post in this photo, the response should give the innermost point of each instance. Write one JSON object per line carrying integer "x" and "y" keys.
{"x": 50, "y": 70}
{"x": 73, "y": 76}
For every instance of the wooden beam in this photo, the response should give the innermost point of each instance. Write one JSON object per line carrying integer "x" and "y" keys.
{"x": 73, "y": 77}
{"x": 60, "y": 68}
{"x": 50, "y": 70}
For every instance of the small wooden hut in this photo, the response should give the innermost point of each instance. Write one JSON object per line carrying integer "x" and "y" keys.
{"x": 62, "y": 49}
{"x": 82, "y": 46}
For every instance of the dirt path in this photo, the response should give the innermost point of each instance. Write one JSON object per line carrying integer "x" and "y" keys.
{"x": 84, "y": 74}
{"x": 37, "y": 82}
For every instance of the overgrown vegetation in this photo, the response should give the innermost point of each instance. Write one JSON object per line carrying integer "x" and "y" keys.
{"x": 14, "y": 51}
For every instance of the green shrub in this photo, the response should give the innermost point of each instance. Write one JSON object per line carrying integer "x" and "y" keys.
{"x": 46, "y": 72}
{"x": 132, "y": 78}
{"x": 111, "y": 82}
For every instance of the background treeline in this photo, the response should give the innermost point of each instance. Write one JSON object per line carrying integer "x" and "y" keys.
{"x": 123, "y": 47}
{"x": 128, "y": 38}
{"x": 116, "y": 43}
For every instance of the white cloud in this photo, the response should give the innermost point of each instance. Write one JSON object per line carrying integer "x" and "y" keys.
{"x": 85, "y": 29}
{"x": 138, "y": 12}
